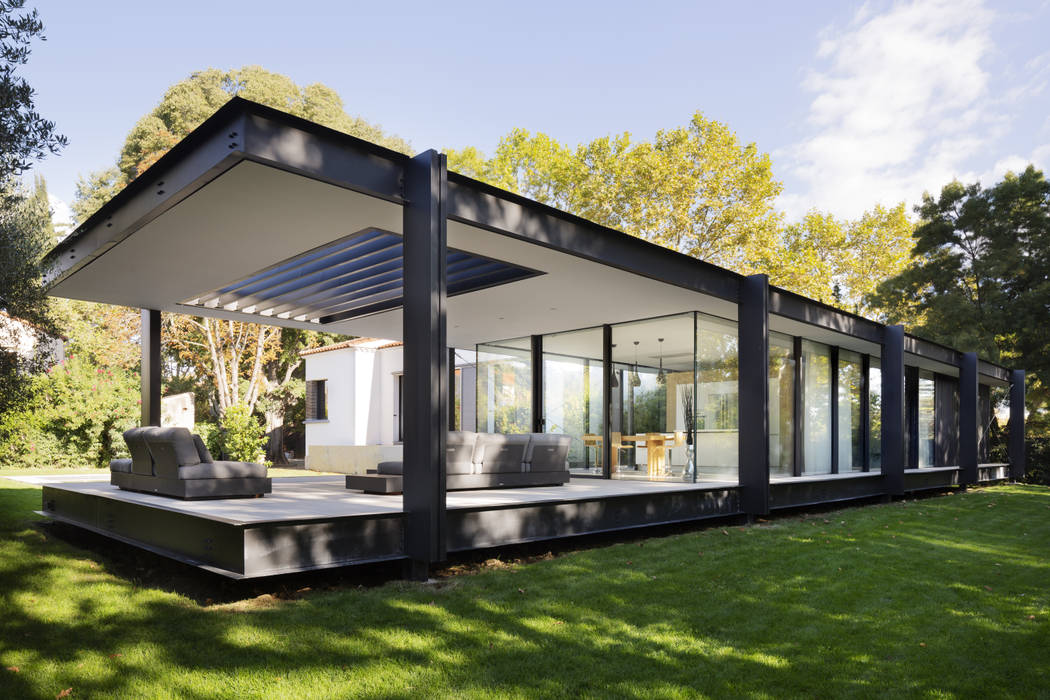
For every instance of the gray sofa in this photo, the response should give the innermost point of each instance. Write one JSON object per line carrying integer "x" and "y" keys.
{"x": 175, "y": 462}
{"x": 484, "y": 461}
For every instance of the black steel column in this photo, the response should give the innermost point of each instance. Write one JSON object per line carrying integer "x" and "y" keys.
{"x": 753, "y": 329}
{"x": 149, "y": 339}
{"x": 538, "y": 423}
{"x": 833, "y": 362}
{"x": 607, "y": 392}
{"x": 893, "y": 409}
{"x": 1016, "y": 440}
{"x": 425, "y": 356}
{"x": 798, "y": 454}
{"x": 452, "y": 389}
{"x": 911, "y": 416}
{"x": 865, "y": 412}
{"x": 968, "y": 435}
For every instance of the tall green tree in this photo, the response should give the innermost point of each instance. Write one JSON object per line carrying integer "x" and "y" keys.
{"x": 188, "y": 103}
{"x": 695, "y": 189}
{"x": 25, "y": 218}
{"x": 841, "y": 261}
{"x": 979, "y": 277}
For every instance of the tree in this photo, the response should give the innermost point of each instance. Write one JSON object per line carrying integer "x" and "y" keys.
{"x": 840, "y": 262}
{"x": 25, "y": 219}
{"x": 694, "y": 189}
{"x": 25, "y": 136}
{"x": 25, "y": 235}
{"x": 979, "y": 277}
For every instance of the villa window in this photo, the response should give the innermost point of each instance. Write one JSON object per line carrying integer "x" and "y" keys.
{"x": 317, "y": 399}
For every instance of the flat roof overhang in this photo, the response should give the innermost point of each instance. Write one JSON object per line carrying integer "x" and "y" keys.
{"x": 254, "y": 189}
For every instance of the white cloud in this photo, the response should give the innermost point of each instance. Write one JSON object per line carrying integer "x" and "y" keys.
{"x": 901, "y": 105}
{"x": 61, "y": 215}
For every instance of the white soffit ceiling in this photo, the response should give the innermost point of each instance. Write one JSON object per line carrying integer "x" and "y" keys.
{"x": 255, "y": 216}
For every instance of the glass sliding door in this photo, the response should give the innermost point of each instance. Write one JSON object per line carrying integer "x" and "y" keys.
{"x": 875, "y": 415}
{"x": 573, "y": 398}
{"x": 504, "y": 386}
{"x": 816, "y": 402}
{"x": 781, "y": 404}
{"x": 717, "y": 399}
{"x": 653, "y": 392}
{"x": 850, "y": 384}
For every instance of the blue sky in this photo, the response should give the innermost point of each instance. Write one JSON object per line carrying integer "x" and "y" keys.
{"x": 858, "y": 103}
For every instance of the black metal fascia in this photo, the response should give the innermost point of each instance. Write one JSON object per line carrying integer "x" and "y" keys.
{"x": 800, "y": 308}
{"x": 478, "y": 204}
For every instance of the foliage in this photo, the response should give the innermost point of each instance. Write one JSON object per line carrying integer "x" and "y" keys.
{"x": 979, "y": 277}
{"x": 1037, "y": 461}
{"x": 242, "y": 437}
{"x": 25, "y": 136}
{"x": 840, "y": 262}
{"x": 804, "y": 606}
{"x": 694, "y": 189}
{"x": 75, "y": 417}
{"x": 211, "y": 434}
{"x": 25, "y": 235}
{"x": 188, "y": 103}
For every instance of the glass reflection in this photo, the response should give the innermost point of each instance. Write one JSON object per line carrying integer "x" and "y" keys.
{"x": 504, "y": 386}
{"x": 781, "y": 404}
{"x": 850, "y": 383}
{"x": 816, "y": 401}
{"x": 573, "y": 396}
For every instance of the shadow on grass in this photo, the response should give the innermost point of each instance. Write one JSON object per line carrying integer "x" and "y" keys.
{"x": 915, "y": 598}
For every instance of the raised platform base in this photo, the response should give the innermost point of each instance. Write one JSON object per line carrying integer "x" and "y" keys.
{"x": 314, "y": 522}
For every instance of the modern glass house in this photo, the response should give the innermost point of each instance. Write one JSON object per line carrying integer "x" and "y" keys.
{"x": 689, "y": 391}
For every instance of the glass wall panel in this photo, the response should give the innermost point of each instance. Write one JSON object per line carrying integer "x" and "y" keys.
{"x": 850, "y": 381}
{"x": 653, "y": 386}
{"x": 573, "y": 396}
{"x": 927, "y": 418}
{"x": 816, "y": 402}
{"x": 875, "y": 415}
{"x": 781, "y": 404}
{"x": 717, "y": 399}
{"x": 504, "y": 385}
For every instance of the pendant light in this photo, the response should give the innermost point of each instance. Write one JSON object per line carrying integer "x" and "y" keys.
{"x": 635, "y": 379}
{"x": 661, "y": 377}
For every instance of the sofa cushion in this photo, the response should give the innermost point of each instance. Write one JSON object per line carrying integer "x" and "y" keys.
{"x": 391, "y": 468}
{"x": 223, "y": 470}
{"x": 500, "y": 453}
{"x": 180, "y": 441}
{"x": 547, "y": 452}
{"x": 459, "y": 452}
{"x": 141, "y": 459}
{"x": 202, "y": 450}
{"x": 120, "y": 465}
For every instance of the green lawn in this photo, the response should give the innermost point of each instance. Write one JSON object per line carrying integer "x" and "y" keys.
{"x": 942, "y": 597}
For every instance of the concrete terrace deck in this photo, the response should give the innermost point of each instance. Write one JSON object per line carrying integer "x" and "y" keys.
{"x": 313, "y": 522}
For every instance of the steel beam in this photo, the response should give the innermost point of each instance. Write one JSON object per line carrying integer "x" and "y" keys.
{"x": 426, "y": 360}
{"x": 753, "y": 357}
{"x": 1016, "y": 439}
{"x": 893, "y": 410}
{"x": 149, "y": 339}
